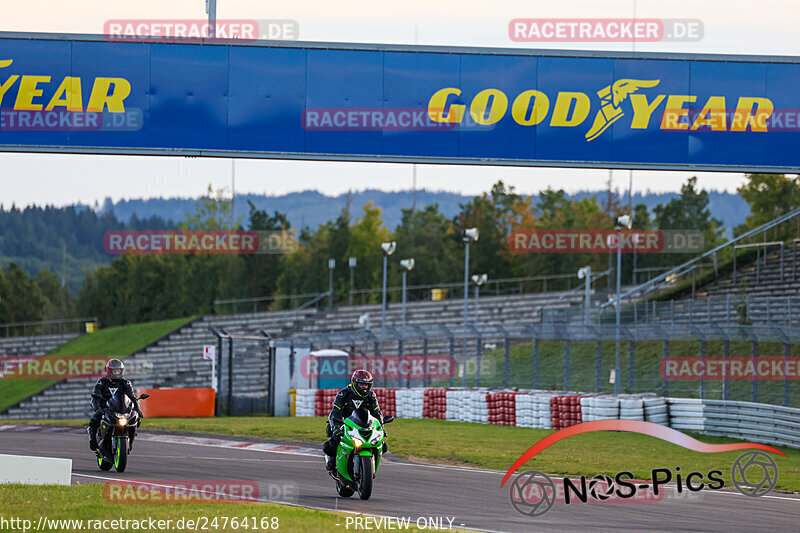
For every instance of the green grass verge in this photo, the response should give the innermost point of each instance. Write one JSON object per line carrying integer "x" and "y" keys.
{"x": 118, "y": 341}
{"x": 497, "y": 447}
{"x": 87, "y": 502}
{"x": 647, "y": 356}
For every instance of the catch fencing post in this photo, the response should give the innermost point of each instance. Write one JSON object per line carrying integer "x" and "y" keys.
{"x": 536, "y": 363}
{"x": 726, "y": 354}
{"x": 566, "y": 364}
{"x": 755, "y": 380}
{"x": 598, "y": 366}
{"x": 666, "y": 359}
{"x": 631, "y": 370}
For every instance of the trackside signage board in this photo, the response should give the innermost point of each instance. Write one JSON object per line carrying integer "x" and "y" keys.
{"x": 363, "y": 102}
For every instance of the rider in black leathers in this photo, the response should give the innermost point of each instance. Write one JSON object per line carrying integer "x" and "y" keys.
{"x": 357, "y": 394}
{"x": 105, "y": 388}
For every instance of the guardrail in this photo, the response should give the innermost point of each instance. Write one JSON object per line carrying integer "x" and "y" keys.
{"x": 757, "y": 422}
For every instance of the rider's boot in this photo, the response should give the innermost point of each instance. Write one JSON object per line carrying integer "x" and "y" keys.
{"x": 330, "y": 463}
{"x": 92, "y": 439}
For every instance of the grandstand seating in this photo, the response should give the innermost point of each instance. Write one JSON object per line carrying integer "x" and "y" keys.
{"x": 33, "y": 345}
{"x": 760, "y": 296}
{"x": 175, "y": 360}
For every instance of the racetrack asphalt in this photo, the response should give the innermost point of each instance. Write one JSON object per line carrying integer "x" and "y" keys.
{"x": 473, "y": 498}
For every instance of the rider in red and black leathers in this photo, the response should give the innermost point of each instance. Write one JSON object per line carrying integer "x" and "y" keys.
{"x": 357, "y": 394}
{"x": 114, "y": 379}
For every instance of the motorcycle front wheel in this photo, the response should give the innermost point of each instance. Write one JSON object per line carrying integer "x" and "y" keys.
{"x": 367, "y": 473}
{"x": 120, "y": 454}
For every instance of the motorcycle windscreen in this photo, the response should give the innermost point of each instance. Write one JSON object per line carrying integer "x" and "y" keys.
{"x": 361, "y": 418}
{"x": 119, "y": 403}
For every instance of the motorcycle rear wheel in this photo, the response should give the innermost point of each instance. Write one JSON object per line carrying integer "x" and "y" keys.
{"x": 104, "y": 465}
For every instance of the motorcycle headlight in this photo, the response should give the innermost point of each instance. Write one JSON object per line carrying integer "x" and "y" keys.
{"x": 123, "y": 421}
{"x": 375, "y": 440}
{"x": 357, "y": 442}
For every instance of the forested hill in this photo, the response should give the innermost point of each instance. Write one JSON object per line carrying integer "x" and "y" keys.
{"x": 311, "y": 208}
{"x": 36, "y": 238}
{"x": 68, "y": 238}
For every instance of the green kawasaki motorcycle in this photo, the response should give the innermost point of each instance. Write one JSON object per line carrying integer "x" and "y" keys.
{"x": 359, "y": 454}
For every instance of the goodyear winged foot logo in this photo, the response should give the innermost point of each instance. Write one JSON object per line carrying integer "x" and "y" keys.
{"x": 611, "y": 98}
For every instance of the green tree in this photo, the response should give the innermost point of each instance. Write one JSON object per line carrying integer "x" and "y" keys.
{"x": 770, "y": 196}
{"x": 489, "y": 213}
{"x": 430, "y": 238}
{"x": 60, "y": 302}
{"x": 22, "y": 300}
{"x": 689, "y": 211}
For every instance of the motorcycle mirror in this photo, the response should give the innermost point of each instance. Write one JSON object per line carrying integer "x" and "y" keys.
{"x": 388, "y": 419}
{"x": 144, "y": 396}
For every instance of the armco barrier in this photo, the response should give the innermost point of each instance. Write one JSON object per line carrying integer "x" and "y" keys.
{"x": 756, "y": 422}
{"x": 178, "y": 403}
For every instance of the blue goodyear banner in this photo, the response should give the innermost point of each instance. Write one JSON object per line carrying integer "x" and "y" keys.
{"x": 325, "y": 101}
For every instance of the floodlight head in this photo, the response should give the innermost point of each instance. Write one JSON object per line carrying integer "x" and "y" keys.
{"x": 388, "y": 247}
{"x": 469, "y": 234}
{"x": 331, "y": 263}
{"x": 407, "y": 264}
{"x": 584, "y": 272}
{"x": 623, "y": 222}
{"x": 479, "y": 279}
{"x": 352, "y": 262}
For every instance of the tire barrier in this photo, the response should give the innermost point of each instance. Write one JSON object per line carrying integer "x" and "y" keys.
{"x": 755, "y": 422}
{"x": 409, "y": 402}
{"x": 502, "y": 408}
{"x": 386, "y": 401}
{"x": 434, "y": 403}
{"x": 565, "y": 411}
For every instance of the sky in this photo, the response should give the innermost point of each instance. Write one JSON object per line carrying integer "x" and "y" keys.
{"x": 766, "y": 27}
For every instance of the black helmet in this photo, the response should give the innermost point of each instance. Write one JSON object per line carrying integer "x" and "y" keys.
{"x": 115, "y": 370}
{"x": 361, "y": 382}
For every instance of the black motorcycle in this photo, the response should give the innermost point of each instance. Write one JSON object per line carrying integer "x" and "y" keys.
{"x": 116, "y": 431}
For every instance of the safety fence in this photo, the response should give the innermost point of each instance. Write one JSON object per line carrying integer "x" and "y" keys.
{"x": 557, "y": 410}
{"x": 653, "y": 358}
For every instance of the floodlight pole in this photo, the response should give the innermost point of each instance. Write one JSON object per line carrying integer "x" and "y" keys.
{"x": 466, "y": 280}
{"x": 383, "y": 302}
{"x": 619, "y": 281}
{"x": 211, "y": 9}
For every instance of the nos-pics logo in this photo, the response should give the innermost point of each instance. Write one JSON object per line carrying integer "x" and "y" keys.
{"x": 533, "y": 493}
